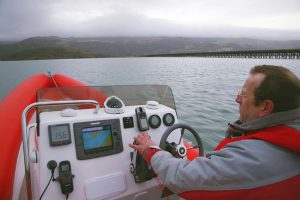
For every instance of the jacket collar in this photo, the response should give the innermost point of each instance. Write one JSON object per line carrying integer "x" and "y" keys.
{"x": 290, "y": 118}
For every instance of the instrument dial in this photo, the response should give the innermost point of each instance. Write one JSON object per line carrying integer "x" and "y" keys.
{"x": 154, "y": 121}
{"x": 168, "y": 119}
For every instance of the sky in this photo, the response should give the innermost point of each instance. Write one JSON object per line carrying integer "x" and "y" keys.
{"x": 259, "y": 19}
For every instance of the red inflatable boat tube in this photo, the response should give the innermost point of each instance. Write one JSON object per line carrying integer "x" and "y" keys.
{"x": 11, "y": 108}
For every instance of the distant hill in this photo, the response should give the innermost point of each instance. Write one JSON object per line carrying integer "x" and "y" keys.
{"x": 57, "y": 47}
{"x": 49, "y": 53}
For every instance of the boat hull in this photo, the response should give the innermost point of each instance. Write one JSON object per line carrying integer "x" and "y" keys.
{"x": 11, "y": 108}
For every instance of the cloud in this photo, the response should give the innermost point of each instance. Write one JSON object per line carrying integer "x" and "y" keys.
{"x": 20, "y": 19}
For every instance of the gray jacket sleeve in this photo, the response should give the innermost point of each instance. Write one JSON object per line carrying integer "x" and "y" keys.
{"x": 241, "y": 165}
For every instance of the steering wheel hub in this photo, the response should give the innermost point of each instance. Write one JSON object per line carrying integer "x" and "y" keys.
{"x": 179, "y": 150}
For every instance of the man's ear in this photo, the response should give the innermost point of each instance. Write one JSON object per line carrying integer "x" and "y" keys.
{"x": 267, "y": 108}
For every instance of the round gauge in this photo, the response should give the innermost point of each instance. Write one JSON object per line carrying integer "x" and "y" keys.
{"x": 154, "y": 121}
{"x": 168, "y": 119}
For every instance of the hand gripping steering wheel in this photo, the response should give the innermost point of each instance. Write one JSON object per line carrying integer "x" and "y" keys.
{"x": 179, "y": 150}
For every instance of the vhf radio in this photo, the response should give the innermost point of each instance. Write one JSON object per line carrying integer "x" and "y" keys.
{"x": 141, "y": 119}
{"x": 65, "y": 177}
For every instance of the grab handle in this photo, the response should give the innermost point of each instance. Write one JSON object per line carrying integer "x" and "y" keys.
{"x": 24, "y": 127}
{"x": 41, "y": 104}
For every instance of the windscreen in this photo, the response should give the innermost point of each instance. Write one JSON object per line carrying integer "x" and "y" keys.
{"x": 129, "y": 94}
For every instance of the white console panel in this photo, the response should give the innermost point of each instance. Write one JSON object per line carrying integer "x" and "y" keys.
{"x": 106, "y": 177}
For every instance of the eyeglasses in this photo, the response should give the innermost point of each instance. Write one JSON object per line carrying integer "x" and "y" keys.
{"x": 241, "y": 94}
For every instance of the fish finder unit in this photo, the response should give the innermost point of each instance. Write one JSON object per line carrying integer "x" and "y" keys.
{"x": 59, "y": 134}
{"x": 97, "y": 138}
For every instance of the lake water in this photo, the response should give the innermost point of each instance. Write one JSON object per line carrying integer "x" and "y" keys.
{"x": 204, "y": 88}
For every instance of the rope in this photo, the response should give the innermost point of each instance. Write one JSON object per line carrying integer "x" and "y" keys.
{"x": 52, "y": 78}
{"x": 55, "y": 84}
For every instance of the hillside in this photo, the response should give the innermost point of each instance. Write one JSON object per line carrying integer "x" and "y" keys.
{"x": 49, "y": 53}
{"x": 57, "y": 47}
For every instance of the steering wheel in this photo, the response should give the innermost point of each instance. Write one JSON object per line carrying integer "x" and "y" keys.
{"x": 179, "y": 150}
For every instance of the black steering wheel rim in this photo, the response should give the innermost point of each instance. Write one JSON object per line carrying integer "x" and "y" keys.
{"x": 169, "y": 130}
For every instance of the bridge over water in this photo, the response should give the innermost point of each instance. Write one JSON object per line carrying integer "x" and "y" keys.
{"x": 264, "y": 54}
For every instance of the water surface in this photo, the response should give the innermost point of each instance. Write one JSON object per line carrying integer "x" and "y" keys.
{"x": 204, "y": 88}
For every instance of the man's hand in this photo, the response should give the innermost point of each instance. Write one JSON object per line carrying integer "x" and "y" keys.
{"x": 142, "y": 142}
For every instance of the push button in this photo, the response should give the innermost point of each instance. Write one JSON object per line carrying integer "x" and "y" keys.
{"x": 128, "y": 122}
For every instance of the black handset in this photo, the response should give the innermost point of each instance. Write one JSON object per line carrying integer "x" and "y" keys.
{"x": 65, "y": 177}
{"x": 141, "y": 119}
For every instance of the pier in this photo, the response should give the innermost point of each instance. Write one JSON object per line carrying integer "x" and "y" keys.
{"x": 257, "y": 54}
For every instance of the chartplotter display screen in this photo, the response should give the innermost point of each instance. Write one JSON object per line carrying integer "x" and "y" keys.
{"x": 97, "y": 137}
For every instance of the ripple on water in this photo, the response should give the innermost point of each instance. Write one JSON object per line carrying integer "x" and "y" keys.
{"x": 204, "y": 88}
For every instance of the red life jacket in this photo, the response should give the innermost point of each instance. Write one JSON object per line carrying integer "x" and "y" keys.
{"x": 282, "y": 136}
{"x": 288, "y": 189}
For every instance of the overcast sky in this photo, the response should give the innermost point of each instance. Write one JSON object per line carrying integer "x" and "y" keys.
{"x": 262, "y": 19}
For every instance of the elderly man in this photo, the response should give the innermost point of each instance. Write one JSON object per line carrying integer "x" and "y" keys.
{"x": 260, "y": 156}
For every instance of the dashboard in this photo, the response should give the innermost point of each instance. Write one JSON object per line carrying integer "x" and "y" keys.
{"x": 96, "y": 146}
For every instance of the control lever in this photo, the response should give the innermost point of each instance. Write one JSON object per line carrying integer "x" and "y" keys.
{"x": 139, "y": 167}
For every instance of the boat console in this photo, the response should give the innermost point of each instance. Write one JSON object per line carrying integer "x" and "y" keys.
{"x": 84, "y": 153}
